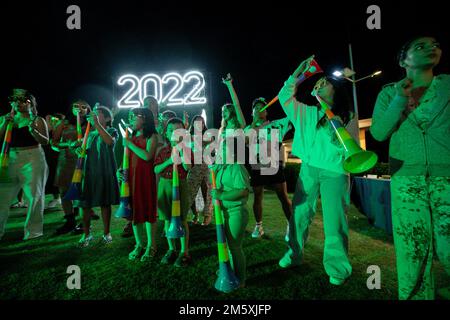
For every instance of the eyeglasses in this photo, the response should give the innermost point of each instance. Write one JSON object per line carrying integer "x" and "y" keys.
{"x": 79, "y": 106}
{"x": 132, "y": 116}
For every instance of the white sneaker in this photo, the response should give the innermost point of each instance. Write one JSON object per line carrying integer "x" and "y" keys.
{"x": 19, "y": 205}
{"x": 85, "y": 241}
{"x": 336, "y": 281}
{"x": 30, "y": 236}
{"x": 107, "y": 239}
{"x": 287, "y": 262}
{"x": 258, "y": 232}
{"x": 52, "y": 204}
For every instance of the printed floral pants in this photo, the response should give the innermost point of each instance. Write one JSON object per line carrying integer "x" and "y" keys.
{"x": 421, "y": 223}
{"x": 198, "y": 175}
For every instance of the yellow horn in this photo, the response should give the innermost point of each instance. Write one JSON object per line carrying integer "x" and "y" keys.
{"x": 356, "y": 160}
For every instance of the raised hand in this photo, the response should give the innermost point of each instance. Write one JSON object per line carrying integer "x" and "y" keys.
{"x": 227, "y": 79}
{"x": 404, "y": 87}
{"x": 92, "y": 118}
{"x": 185, "y": 119}
{"x": 304, "y": 66}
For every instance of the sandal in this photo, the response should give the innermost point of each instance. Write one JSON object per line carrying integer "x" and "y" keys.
{"x": 135, "y": 253}
{"x": 19, "y": 205}
{"x": 149, "y": 254}
{"x": 15, "y": 205}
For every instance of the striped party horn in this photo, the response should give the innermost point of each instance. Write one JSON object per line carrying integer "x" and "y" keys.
{"x": 79, "y": 132}
{"x": 356, "y": 160}
{"x": 124, "y": 210}
{"x": 4, "y": 156}
{"x": 313, "y": 69}
{"x": 75, "y": 187}
{"x": 176, "y": 229}
{"x": 226, "y": 280}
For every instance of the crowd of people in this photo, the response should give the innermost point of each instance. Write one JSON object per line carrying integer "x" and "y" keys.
{"x": 413, "y": 114}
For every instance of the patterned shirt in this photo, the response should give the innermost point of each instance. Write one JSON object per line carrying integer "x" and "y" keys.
{"x": 164, "y": 154}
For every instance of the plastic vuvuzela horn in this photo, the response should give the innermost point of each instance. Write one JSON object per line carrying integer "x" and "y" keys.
{"x": 75, "y": 187}
{"x": 4, "y": 156}
{"x": 124, "y": 210}
{"x": 176, "y": 228}
{"x": 79, "y": 132}
{"x": 226, "y": 280}
{"x": 356, "y": 160}
{"x": 313, "y": 69}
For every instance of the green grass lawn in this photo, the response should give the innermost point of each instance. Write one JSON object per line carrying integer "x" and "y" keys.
{"x": 37, "y": 269}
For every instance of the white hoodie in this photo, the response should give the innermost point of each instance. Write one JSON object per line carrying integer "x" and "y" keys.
{"x": 317, "y": 147}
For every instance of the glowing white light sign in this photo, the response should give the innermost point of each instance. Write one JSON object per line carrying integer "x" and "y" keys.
{"x": 172, "y": 89}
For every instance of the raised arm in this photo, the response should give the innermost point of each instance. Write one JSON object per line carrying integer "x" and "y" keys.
{"x": 390, "y": 104}
{"x": 106, "y": 137}
{"x": 293, "y": 108}
{"x": 186, "y": 120}
{"x": 228, "y": 81}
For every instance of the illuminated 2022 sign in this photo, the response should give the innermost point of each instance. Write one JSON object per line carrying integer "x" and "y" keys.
{"x": 172, "y": 89}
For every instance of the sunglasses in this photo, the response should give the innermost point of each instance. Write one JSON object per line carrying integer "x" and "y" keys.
{"x": 19, "y": 99}
{"x": 79, "y": 106}
{"x": 321, "y": 83}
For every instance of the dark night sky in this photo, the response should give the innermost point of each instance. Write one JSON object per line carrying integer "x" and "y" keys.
{"x": 259, "y": 43}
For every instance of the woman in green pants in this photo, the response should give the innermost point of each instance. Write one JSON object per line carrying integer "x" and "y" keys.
{"x": 232, "y": 182}
{"x": 316, "y": 144}
{"x": 414, "y": 114}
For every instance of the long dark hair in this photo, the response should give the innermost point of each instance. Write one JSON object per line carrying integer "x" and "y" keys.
{"x": 233, "y": 114}
{"x": 342, "y": 105}
{"x": 191, "y": 129}
{"x": 27, "y": 95}
{"x": 70, "y": 117}
{"x": 149, "y": 123}
{"x": 401, "y": 55}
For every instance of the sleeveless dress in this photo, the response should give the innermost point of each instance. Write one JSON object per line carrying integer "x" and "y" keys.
{"x": 100, "y": 187}
{"x": 142, "y": 183}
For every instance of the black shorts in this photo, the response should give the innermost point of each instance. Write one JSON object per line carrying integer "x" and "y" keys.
{"x": 257, "y": 179}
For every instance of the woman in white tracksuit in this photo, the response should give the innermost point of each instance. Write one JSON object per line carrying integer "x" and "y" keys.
{"x": 316, "y": 144}
{"x": 27, "y": 167}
